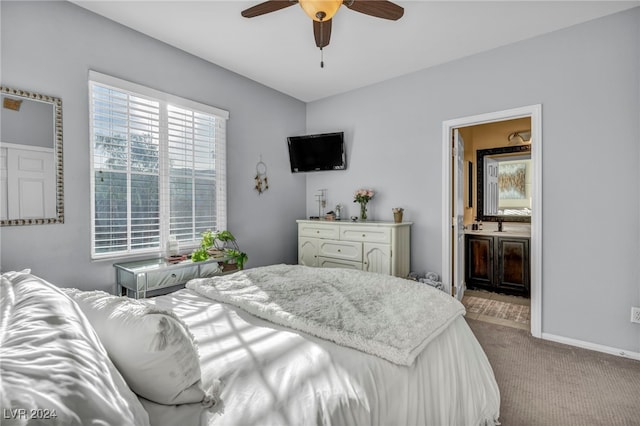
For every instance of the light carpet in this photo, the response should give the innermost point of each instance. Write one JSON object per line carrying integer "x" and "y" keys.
{"x": 550, "y": 384}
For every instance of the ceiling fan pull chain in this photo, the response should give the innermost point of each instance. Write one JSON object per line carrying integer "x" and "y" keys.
{"x": 321, "y": 58}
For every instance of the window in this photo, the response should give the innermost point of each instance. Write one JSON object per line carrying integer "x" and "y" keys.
{"x": 157, "y": 168}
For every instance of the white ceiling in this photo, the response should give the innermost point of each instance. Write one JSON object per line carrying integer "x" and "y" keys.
{"x": 278, "y": 49}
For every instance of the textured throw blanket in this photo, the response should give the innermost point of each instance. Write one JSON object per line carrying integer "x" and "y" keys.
{"x": 386, "y": 316}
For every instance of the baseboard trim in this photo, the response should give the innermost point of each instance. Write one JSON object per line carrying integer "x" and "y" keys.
{"x": 591, "y": 346}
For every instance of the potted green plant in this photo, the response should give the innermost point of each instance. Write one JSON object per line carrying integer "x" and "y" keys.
{"x": 221, "y": 239}
{"x": 220, "y": 243}
{"x": 238, "y": 257}
{"x": 203, "y": 252}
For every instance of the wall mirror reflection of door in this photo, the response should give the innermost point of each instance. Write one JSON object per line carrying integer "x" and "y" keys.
{"x": 30, "y": 158}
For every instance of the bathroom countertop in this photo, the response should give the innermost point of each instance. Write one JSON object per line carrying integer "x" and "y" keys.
{"x": 506, "y": 233}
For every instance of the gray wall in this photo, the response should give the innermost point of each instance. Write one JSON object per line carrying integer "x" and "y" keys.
{"x": 587, "y": 80}
{"x": 48, "y": 47}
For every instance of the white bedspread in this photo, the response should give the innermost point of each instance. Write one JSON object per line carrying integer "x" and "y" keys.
{"x": 53, "y": 369}
{"x": 378, "y": 314}
{"x": 275, "y": 376}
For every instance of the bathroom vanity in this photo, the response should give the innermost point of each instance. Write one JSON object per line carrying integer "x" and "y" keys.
{"x": 498, "y": 261}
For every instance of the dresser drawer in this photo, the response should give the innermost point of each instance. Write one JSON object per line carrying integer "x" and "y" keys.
{"x": 371, "y": 234}
{"x": 327, "y": 262}
{"x": 341, "y": 250}
{"x": 161, "y": 279}
{"x": 318, "y": 230}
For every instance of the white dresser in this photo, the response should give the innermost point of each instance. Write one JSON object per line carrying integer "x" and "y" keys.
{"x": 382, "y": 247}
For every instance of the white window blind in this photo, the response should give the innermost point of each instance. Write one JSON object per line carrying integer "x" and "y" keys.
{"x": 158, "y": 168}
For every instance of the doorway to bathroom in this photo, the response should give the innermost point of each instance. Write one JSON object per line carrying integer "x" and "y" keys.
{"x": 519, "y": 237}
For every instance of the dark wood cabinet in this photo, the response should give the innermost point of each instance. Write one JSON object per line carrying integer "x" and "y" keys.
{"x": 479, "y": 261}
{"x": 498, "y": 263}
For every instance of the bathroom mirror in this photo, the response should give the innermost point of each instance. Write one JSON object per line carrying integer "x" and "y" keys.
{"x": 31, "y": 174}
{"x": 504, "y": 178}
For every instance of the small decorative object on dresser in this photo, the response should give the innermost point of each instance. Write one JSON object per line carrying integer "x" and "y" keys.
{"x": 363, "y": 196}
{"x": 330, "y": 216}
{"x": 397, "y": 214}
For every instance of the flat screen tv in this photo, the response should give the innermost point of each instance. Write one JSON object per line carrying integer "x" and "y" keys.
{"x": 324, "y": 151}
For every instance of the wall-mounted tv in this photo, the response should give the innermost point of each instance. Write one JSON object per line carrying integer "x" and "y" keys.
{"x": 317, "y": 152}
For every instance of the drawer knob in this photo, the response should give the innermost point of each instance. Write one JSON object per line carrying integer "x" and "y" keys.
{"x": 173, "y": 275}
{"x": 339, "y": 251}
{"x": 364, "y": 235}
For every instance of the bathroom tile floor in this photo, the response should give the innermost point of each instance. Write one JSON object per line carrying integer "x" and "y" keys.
{"x": 502, "y": 309}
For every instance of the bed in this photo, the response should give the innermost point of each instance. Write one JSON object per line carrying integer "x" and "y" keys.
{"x": 277, "y": 345}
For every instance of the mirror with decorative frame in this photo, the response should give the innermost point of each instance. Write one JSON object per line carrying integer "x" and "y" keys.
{"x": 31, "y": 173}
{"x": 504, "y": 177}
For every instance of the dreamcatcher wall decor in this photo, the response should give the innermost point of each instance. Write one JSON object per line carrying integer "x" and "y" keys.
{"x": 262, "y": 183}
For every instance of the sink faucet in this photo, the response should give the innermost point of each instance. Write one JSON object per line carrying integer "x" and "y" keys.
{"x": 499, "y": 225}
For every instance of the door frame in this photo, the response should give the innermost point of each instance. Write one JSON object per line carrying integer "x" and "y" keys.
{"x": 534, "y": 112}
{"x": 457, "y": 229}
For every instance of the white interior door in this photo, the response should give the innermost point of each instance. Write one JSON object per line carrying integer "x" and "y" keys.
{"x": 458, "y": 218}
{"x": 491, "y": 169}
{"x": 31, "y": 184}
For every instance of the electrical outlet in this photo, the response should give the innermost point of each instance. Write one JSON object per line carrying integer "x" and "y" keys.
{"x": 635, "y": 315}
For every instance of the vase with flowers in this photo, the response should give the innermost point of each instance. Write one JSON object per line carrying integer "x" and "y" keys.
{"x": 363, "y": 196}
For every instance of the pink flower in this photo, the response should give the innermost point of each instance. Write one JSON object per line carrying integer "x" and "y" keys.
{"x": 363, "y": 195}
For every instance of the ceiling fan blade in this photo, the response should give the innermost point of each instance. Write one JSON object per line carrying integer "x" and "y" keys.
{"x": 322, "y": 32}
{"x": 379, "y": 8}
{"x": 267, "y": 7}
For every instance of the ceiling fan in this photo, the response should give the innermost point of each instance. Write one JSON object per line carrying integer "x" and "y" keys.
{"x": 322, "y": 11}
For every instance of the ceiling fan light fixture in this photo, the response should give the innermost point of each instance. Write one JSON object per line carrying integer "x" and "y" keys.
{"x": 320, "y": 10}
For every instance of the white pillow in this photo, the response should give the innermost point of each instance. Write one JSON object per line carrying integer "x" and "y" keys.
{"x": 153, "y": 349}
{"x": 52, "y": 364}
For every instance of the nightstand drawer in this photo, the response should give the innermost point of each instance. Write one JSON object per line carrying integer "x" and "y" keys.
{"x": 162, "y": 279}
